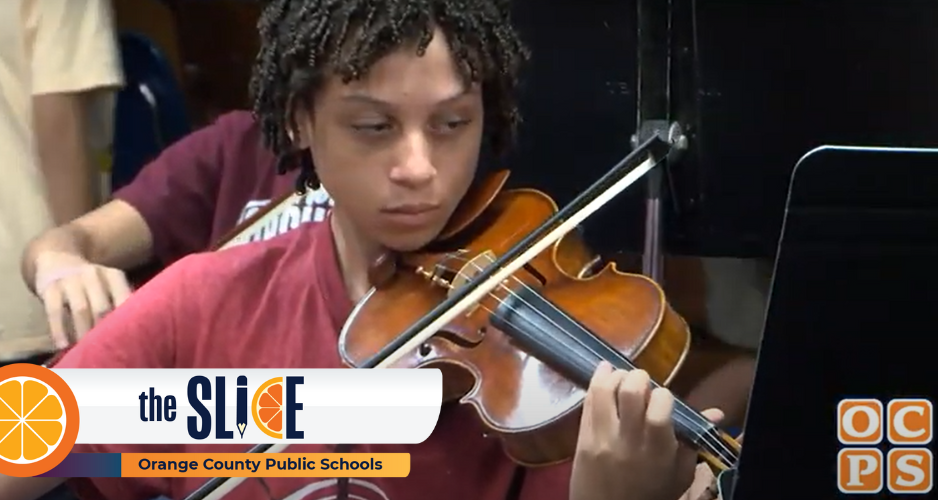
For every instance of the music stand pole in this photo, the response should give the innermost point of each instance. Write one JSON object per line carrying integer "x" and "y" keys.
{"x": 654, "y": 117}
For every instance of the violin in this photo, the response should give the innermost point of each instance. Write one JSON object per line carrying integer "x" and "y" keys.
{"x": 503, "y": 304}
{"x": 524, "y": 354}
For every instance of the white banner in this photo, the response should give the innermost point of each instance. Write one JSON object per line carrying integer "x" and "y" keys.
{"x": 178, "y": 406}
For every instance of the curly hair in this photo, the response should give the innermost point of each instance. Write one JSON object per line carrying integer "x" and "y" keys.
{"x": 303, "y": 41}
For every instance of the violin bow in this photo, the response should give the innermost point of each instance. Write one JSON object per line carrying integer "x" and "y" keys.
{"x": 625, "y": 173}
{"x": 242, "y": 232}
{"x": 629, "y": 170}
{"x": 217, "y": 488}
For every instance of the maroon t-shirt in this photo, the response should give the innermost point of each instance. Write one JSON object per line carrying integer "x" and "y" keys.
{"x": 280, "y": 304}
{"x": 203, "y": 185}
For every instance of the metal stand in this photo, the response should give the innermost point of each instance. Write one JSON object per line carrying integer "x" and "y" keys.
{"x": 654, "y": 117}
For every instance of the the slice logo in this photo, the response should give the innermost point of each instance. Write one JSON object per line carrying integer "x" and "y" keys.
{"x": 267, "y": 408}
{"x": 38, "y": 420}
{"x": 273, "y": 408}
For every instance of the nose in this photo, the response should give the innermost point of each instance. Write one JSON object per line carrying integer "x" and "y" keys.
{"x": 415, "y": 167}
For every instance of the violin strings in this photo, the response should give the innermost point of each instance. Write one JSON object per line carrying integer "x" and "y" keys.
{"x": 706, "y": 434}
{"x": 703, "y": 432}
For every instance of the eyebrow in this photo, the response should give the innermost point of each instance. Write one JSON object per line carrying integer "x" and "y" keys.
{"x": 367, "y": 99}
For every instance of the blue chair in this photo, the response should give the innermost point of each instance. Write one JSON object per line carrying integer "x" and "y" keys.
{"x": 150, "y": 109}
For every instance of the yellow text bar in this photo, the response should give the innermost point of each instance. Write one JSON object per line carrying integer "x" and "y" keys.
{"x": 265, "y": 465}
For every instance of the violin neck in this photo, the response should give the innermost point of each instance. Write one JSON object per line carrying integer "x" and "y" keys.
{"x": 561, "y": 342}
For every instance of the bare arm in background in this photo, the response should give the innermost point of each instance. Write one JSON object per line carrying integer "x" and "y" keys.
{"x": 75, "y": 68}
{"x": 78, "y": 268}
{"x": 60, "y": 124}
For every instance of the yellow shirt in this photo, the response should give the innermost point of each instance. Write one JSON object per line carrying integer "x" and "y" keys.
{"x": 46, "y": 46}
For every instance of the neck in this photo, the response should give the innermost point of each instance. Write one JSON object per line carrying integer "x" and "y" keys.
{"x": 356, "y": 255}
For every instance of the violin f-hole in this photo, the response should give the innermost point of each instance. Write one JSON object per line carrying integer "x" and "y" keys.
{"x": 461, "y": 341}
{"x": 537, "y": 274}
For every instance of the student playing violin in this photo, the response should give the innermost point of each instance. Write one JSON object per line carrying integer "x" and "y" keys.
{"x": 390, "y": 101}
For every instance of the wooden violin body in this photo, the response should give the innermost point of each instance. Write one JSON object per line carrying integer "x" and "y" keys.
{"x": 527, "y": 383}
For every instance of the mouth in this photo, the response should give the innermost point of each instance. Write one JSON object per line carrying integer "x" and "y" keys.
{"x": 411, "y": 209}
{"x": 412, "y": 214}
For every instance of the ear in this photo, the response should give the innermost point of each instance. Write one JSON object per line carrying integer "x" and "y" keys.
{"x": 300, "y": 129}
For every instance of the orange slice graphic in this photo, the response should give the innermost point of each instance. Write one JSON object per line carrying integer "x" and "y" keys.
{"x": 38, "y": 416}
{"x": 267, "y": 408}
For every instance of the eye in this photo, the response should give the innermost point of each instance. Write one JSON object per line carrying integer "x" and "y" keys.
{"x": 458, "y": 123}
{"x": 450, "y": 125}
{"x": 371, "y": 128}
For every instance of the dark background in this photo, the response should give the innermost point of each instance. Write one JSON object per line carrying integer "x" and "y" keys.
{"x": 756, "y": 84}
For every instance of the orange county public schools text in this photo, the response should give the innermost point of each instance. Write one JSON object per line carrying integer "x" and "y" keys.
{"x": 253, "y": 466}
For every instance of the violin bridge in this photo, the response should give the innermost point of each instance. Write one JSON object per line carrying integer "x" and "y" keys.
{"x": 451, "y": 280}
{"x": 434, "y": 277}
{"x": 468, "y": 271}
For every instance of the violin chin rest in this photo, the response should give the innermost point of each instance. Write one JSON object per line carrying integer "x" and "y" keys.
{"x": 382, "y": 270}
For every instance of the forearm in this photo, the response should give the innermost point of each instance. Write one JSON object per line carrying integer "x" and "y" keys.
{"x": 113, "y": 235}
{"x": 64, "y": 158}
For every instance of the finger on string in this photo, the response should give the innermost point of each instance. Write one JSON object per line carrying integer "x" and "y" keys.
{"x": 78, "y": 304}
{"x": 714, "y": 415}
{"x": 117, "y": 284}
{"x": 53, "y": 301}
{"x": 659, "y": 426}
{"x": 599, "y": 405}
{"x": 632, "y": 397}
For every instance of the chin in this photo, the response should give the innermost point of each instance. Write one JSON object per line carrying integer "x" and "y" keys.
{"x": 410, "y": 240}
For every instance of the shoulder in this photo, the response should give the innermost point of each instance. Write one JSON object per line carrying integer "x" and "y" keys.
{"x": 255, "y": 266}
{"x": 236, "y": 123}
{"x": 235, "y": 139}
{"x": 232, "y": 138}
{"x": 49, "y": 17}
{"x": 231, "y": 128}
{"x": 71, "y": 45}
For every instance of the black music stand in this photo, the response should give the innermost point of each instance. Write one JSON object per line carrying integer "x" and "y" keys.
{"x": 852, "y": 312}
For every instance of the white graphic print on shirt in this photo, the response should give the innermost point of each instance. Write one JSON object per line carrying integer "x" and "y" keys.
{"x": 325, "y": 489}
{"x": 312, "y": 207}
